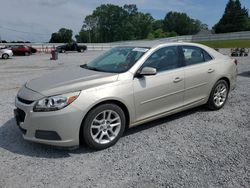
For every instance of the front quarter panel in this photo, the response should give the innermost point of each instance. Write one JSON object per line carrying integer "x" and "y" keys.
{"x": 121, "y": 91}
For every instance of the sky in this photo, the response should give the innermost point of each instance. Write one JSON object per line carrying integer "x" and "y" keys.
{"x": 35, "y": 20}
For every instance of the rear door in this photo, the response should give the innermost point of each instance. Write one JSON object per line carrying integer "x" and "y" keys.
{"x": 199, "y": 71}
{"x": 160, "y": 93}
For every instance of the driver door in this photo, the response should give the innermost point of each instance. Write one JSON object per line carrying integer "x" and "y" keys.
{"x": 163, "y": 92}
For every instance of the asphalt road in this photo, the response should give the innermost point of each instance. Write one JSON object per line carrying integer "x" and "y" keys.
{"x": 195, "y": 148}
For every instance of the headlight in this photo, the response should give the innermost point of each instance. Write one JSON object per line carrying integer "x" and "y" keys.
{"x": 54, "y": 103}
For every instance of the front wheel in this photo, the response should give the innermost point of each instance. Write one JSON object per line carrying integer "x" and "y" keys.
{"x": 5, "y": 56}
{"x": 103, "y": 126}
{"x": 218, "y": 96}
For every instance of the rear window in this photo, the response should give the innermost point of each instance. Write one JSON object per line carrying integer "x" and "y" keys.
{"x": 195, "y": 55}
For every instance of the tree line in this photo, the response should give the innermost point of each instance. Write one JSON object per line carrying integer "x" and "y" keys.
{"x": 110, "y": 23}
{"x": 235, "y": 18}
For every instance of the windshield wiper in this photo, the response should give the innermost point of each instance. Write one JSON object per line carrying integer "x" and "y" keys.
{"x": 85, "y": 66}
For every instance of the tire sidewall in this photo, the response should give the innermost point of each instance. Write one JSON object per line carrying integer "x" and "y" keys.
{"x": 5, "y": 56}
{"x": 211, "y": 102}
{"x": 26, "y": 53}
{"x": 87, "y": 125}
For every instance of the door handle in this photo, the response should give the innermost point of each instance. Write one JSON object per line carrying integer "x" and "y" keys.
{"x": 210, "y": 70}
{"x": 177, "y": 79}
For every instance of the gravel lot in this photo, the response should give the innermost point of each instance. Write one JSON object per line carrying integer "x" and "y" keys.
{"x": 195, "y": 148}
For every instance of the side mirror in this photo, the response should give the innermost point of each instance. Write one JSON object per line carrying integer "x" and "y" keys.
{"x": 147, "y": 71}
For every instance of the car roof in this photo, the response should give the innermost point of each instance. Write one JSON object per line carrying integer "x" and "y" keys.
{"x": 154, "y": 46}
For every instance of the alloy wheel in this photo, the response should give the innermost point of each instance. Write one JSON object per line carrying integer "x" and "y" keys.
{"x": 105, "y": 127}
{"x": 220, "y": 94}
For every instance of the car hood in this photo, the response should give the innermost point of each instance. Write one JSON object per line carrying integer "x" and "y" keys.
{"x": 69, "y": 81}
{"x": 6, "y": 50}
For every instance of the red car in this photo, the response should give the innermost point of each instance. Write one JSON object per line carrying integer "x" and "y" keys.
{"x": 21, "y": 50}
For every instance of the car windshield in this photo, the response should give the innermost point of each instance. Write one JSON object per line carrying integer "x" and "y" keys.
{"x": 116, "y": 60}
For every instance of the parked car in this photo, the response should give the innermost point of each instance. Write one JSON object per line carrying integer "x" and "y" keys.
{"x": 71, "y": 47}
{"x": 122, "y": 88}
{"x": 33, "y": 50}
{"x": 20, "y": 50}
{"x": 5, "y": 53}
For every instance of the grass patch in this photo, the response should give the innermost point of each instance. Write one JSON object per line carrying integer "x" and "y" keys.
{"x": 227, "y": 43}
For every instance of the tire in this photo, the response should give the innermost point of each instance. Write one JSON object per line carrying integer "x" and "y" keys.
{"x": 27, "y": 53}
{"x": 5, "y": 56}
{"x": 81, "y": 50}
{"x": 102, "y": 131}
{"x": 63, "y": 51}
{"x": 218, "y": 95}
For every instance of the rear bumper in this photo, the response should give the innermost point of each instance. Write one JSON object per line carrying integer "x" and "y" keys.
{"x": 234, "y": 79}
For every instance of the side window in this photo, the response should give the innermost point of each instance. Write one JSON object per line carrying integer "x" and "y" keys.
{"x": 207, "y": 57}
{"x": 163, "y": 59}
{"x": 193, "y": 55}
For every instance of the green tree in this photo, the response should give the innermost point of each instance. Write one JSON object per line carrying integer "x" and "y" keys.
{"x": 62, "y": 36}
{"x": 82, "y": 37}
{"x": 110, "y": 23}
{"x": 142, "y": 24}
{"x": 55, "y": 38}
{"x": 159, "y": 33}
{"x": 235, "y": 18}
{"x": 181, "y": 23}
{"x": 157, "y": 24}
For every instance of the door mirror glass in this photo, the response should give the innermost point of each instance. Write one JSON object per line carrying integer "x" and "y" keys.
{"x": 147, "y": 71}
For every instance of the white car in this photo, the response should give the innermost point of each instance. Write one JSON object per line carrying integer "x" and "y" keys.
{"x": 5, "y": 53}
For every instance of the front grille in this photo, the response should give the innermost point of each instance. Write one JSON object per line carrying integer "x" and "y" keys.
{"x": 24, "y": 101}
{"x": 21, "y": 114}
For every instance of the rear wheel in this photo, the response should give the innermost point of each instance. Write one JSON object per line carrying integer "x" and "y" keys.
{"x": 218, "y": 96}
{"x": 27, "y": 53}
{"x": 103, "y": 126}
{"x": 5, "y": 56}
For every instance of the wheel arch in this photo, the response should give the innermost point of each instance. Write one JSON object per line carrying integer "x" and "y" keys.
{"x": 227, "y": 80}
{"x": 5, "y": 54}
{"x": 108, "y": 101}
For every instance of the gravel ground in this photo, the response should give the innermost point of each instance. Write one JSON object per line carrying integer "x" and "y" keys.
{"x": 195, "y": 148}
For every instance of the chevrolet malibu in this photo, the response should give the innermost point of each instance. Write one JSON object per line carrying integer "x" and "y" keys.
{"x": 124, "y": 87}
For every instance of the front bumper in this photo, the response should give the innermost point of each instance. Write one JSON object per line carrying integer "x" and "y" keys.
{"x": 58, "y": 128}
